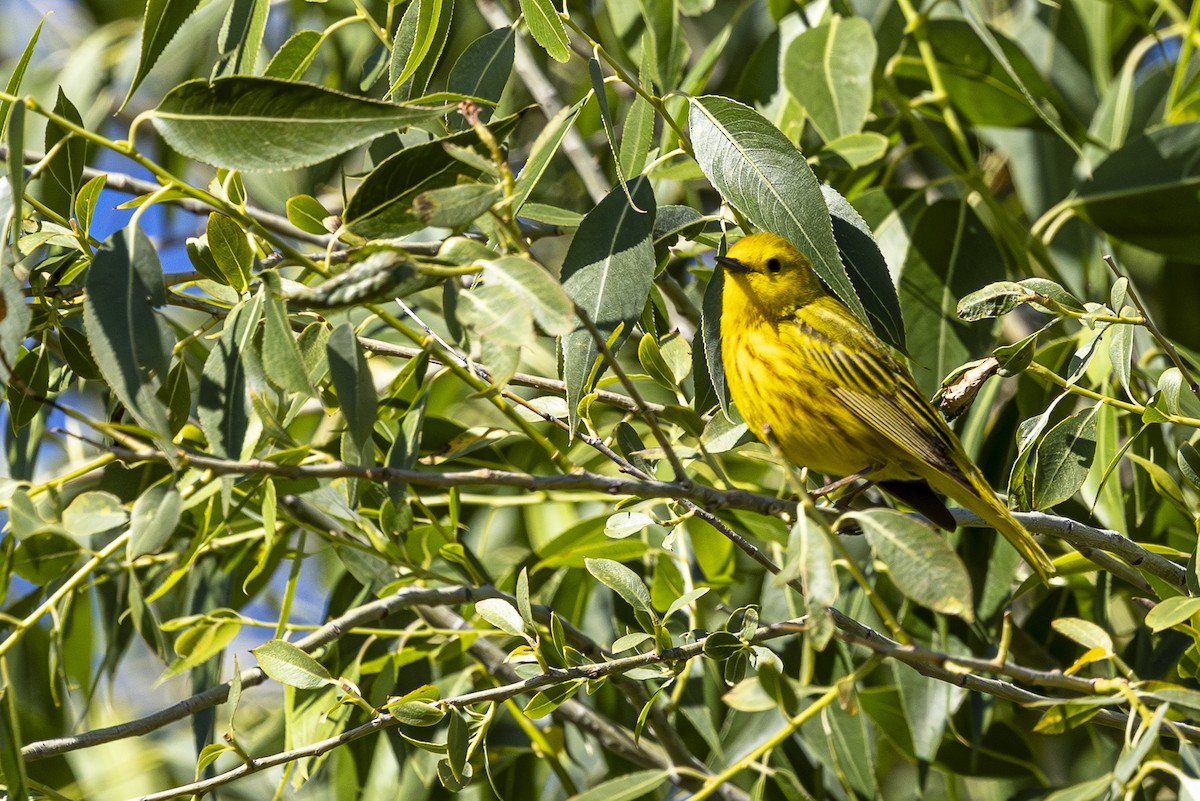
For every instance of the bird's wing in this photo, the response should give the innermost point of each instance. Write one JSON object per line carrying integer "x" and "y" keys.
{"x": 878, "y": 389}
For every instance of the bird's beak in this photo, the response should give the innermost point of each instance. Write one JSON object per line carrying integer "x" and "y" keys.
{"x": 733, "y": 265}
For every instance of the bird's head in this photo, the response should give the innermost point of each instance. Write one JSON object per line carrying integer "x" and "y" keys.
{"x": 771, "y": 272}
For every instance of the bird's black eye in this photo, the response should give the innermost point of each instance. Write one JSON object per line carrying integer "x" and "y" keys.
{"x": 773, "y": 265}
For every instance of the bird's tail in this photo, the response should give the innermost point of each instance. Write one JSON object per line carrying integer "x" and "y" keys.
{"x": 983, "y": 501}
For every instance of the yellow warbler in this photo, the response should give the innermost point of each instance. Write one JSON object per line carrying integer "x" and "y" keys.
{"x": 805, "y": 372}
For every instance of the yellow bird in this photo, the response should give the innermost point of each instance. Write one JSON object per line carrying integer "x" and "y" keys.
{"x": 807, "y": 373}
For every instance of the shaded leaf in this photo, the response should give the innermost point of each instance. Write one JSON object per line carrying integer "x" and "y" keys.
{"x": 827, "y": 69}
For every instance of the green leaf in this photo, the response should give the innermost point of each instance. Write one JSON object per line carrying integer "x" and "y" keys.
{"x": 546, "y": 28}
{"x": 1146, "y": 192}
{"x": 501, "y": 325}
{"x": 295, "y": 56}
{"x": 536, "y": 289}
{"x": 636, "y": 136}
{"x": 241, "y": 37}
{"x": 93, "y": 512}
{"x": 853, "y": 151}
{"x": 543, "y": 149}
{"x": 87, "y": 199}
{"x": 14, "y": 319}
{"x": 922, "y": 565}
{"x": 455, "y": 206}
{"x": 827, "y": 70}
{"x": 810, "y": 559}
{"x": 64, "y": 173}
{"x": 607, "y": 272}
{"x": 18, "y": 75}
{"x": 45, "y": 557}
{"x": 265, "y": 124}
{"x": 1084, "y": 632}
{"x": 1171, "y": 612}
{"x": 355, "y": 390}
{"x": 1064, "y": 458}
{"x": 306, "y": 213}
{"x": 12, "y": 764}
{"x": 546, "y": 701}
{"x": 501, "y": 614}
{"x": 287, "y": 664}
{"x": 629, "y": 787}
{"x": 762, "y": 174}
{"x": 626, "y": 524}
{"x": 283, "y": 364}
{"x": 1188, "y": 460}
{"x": 951, "y": 255}
{"x": 988, "y": 87}
{"x": 428, "y": 14}
{"x": 1120, "y": 353}
{"x": 383, "y": 204}
{"x": 201, "y": 642}
{"x": 867, "y": 268}
{"x": 231, "y": 250}
{"x": 623, "y": 581}
{"x": 160, "y": 22}
{"x": 156, "y": 513}
{"x": 124, "y": 285}
{"x": 483, "y": 70}
{"x": 223, "y": 403}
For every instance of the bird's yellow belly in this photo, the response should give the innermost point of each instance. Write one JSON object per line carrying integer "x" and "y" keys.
{"x": 780, "y": 401}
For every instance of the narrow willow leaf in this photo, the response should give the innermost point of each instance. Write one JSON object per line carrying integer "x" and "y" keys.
{"x": 483, "y": 70}
{"x": 994, "y": 300}
{"x": 12, "y": 764}
{"x": 64, "y": 173}
{"x": 623, "y": 581}
{"x": 124, "y": 285}
{"x": 501, "y": 325}
{"x": 1120, "y": 353}
{"x": 951, "y": 254}
{"x": 93, "y": 512}
{"x": 160, "y": 22}
{"x": 1084, "y": 632}
{"x": 922, "y": 565}
{"x": 710, "y": 332}
{"x": 265, "y": 124}
{"x": 203, "y": 641}
{"x": 928, "y": 705}
{"x": 1171, "y": 612}
{"x": 810, "y": 558}
{"x": 629, "y": 787}
{"x": 18, "y": 75}
{"x": 827, "y": 69}
{"x": 427, "y": 14}
{"x": 626, "y": 524}
{"x": 223, "y": 403}
{"x": 230, "y": 250}
{"x": 383, "y": 204}
{"x": 355, "y": 390}
{"x": 546, "y": 28}
{"x": 14, "y": 320}
{"x": 419, "y": 81}
{"x": 241, "y": 37}
{"x": 607, "y": 272}
{"x": 455, "y": 206}
{"x": 762, "y": 174}
{"x": 866, "y": 266}
{"x": 543, "y": 149}
{"x": 10, "y": 226}
{"x": 1064, "y": 458}
{"x": 636, "y": 136}
{"x": 536, "y": 289}
{"x": 282, "y": 363}
{"x": 501, "y": 614}
{"x": 1145, "y": 192}
{"x": 87, "y": 199}
{"x": 610, "y": 131}
{"x": 306, "y": 213}
{"x": 287, "y": 664}
{"x": 852, "y": 151}
{"x": 295, "y": 56}
{"x": 156, "y": 513}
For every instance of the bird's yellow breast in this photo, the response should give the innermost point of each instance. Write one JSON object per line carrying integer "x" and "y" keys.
{"x": 776, "y": 377}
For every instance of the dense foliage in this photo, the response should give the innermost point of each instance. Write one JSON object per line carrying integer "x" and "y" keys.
{"x": 377, "y": 445}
